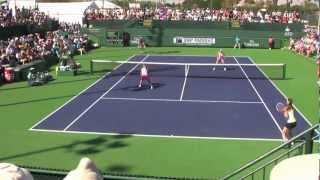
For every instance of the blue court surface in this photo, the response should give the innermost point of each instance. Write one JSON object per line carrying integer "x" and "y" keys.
{"x": 205, "y": 104}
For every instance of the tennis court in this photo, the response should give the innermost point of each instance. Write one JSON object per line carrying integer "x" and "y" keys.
{"x": 189, "y": 101}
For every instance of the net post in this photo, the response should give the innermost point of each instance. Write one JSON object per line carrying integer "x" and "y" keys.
{"x": 284, "y": 71}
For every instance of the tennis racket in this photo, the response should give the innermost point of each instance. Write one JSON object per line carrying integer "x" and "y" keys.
{"x": 280, "y": 107}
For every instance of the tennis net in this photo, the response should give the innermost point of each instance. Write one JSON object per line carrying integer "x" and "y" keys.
{"x": 191, "y": 70}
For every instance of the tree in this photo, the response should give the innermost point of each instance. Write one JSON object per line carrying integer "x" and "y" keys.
{"x": 188, "y": 4}
{"x": 275, "y": 2}
{"x": 229, "y": 3}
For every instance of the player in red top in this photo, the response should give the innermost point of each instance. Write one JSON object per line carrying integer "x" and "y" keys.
{"x": 220, "y": 60}
{"x": 144, "y": 76}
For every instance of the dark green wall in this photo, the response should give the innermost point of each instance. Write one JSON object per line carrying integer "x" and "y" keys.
{"x": 162, "y": 33}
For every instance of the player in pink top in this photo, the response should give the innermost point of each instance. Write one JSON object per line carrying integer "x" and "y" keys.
{"x": 220, "y": 59}
{"x": 144, "y": 76}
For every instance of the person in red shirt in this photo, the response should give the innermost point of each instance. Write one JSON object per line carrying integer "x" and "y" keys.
{"x": 271, "y": 43}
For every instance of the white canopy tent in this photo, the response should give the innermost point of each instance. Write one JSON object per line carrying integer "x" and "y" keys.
{"x": 66, "y": 12}
{"x": 19, "y": 4}
{"x": 106, "y": 4}
{"x": 70, "y": 12}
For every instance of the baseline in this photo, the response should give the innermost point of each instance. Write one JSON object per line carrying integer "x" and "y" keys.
{"x": 158, "y": 136}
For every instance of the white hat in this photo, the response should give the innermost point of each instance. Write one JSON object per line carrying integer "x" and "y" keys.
{"x": 13, "y": 172}
{"x": 86, "y": 170}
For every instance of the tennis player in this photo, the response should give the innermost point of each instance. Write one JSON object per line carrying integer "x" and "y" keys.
{"x": 144, "y": 76}
{"x": 288, "y": 113}
{"x": 220, "y": 60}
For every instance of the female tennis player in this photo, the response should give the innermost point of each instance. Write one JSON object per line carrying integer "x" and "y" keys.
{"x": 144, "y": 76}
{"x": 288, "y": 113}
{"x": 220, "y": 60}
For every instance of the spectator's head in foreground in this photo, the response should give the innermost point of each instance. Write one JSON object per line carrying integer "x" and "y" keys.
{"x": 86, "y": 170}
{"x": 12, "y": 172}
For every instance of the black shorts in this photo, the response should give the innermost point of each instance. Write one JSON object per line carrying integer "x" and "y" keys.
{"x": 291, "y": 125}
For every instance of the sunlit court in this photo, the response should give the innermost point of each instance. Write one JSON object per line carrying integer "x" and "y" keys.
{"x": 159, "y": 89}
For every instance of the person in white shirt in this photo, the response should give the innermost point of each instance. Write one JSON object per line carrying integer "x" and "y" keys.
{"x": 144, "y": 76}
{"x": 291, "y": 122}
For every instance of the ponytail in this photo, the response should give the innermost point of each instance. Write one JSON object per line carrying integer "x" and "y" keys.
{"x": 289, "y": 103}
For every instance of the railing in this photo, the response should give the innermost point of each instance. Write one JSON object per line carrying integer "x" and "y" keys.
{"x": 259, "y": 168}
{"x": 60, "y": 174}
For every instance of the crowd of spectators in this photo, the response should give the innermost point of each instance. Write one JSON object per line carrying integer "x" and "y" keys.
{"x": 10, "y": 17}
{"x": 307, "y": 45}
{"x": 261, "y": 16}
{"x": 66, "y": 41}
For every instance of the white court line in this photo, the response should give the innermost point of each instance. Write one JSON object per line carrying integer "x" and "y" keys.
{"x": 60, "y": 107}
{"x": 185, "y": 81}
{"x": 96, "y": 101}
{"x": 275, "y": 86}
{"x": 158, "y": 136}
{"x": 254, "y": 88}
{"x": 184, "y": 100}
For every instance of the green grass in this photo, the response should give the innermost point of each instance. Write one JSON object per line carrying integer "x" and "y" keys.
{"x": 22, "y": 106}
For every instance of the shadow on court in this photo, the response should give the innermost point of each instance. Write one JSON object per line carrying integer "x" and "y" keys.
{"x": 118, "y": 168}
{"x": 82, "y": 147}
{"x": 51, "y": 83}
{"x": 50, "y": 98}
{"x": 142, "y": 88}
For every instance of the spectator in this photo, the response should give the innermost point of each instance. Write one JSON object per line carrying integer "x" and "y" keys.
{"x": 22, "y": 16}
{"x": 307, "y": 45}
{"x": 291, "y": 44}
{"x": 198, "y": 14}
{"x": 86, "y": 170}
{"x": 271, "y": 42}
{"x": 13, "y": 172}
{"x": 27, "y": 48}
{"x": 141, "y": 43}
{"x": 237, "y": 42}
{"x": 126, "y": 39}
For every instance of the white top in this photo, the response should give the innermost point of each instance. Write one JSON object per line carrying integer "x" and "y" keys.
{"x": 291, "y": 118}
{"x": 144, "y": 71}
